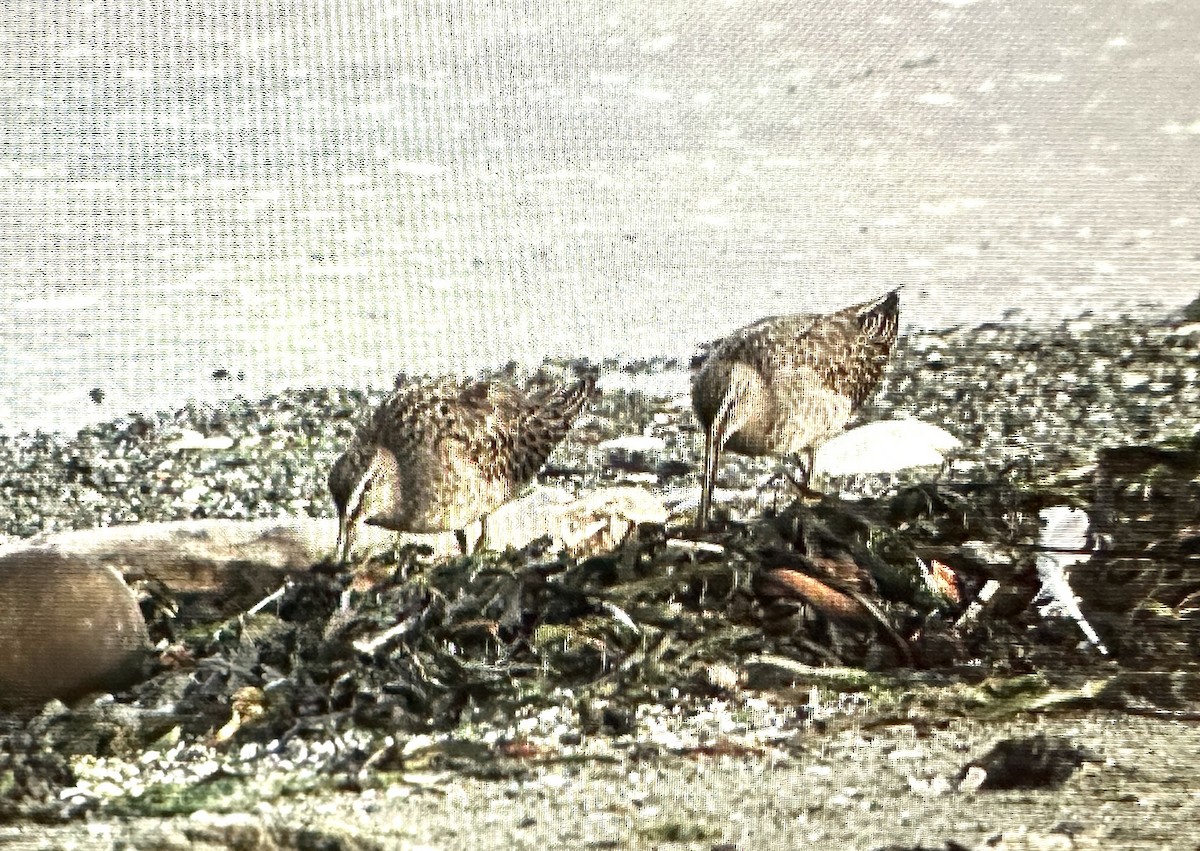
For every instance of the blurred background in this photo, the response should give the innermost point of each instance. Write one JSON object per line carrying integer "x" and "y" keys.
{"x": 206, "y": 199}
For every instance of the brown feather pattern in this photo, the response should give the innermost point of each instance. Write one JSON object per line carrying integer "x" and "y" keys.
{"x": 787, "y": 383}
{"x": 439, "y": 453}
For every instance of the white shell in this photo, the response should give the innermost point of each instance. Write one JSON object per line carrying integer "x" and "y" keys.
{"x": 884, "y": 447}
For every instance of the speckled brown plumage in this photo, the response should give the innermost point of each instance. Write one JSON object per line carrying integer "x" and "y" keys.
{"x": 787, "y": 383}
{"x": 439, "y": 454}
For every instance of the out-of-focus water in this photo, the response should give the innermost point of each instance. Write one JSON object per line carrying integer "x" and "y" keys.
{"x": 331, "y": 192}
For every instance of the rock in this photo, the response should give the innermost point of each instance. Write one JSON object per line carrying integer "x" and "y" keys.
{"x": 71, "y": 627}
{"x": 885, "y": 446}
{"x": 1135, "y": 381}
{"x": 634, "y": 453}
{"x": 734, "y": 501}
{"x": 1034, "y": 762}
{"x": 192, "y": 439}
{"x": 634, "y": 443}
{"x": 1191, "y": 329}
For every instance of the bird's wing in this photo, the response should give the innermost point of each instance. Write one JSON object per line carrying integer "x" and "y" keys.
{"x": 542, "y": 421}
{"x": 748, "y": 345}
{"x": 847, "y": 351}
{"x": 422, "y": 416}
{"x": 503, "y": 431}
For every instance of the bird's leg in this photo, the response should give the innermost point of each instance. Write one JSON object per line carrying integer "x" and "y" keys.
{"x": 345, "y": 538}
{"x": 793, "y": 471}
{"x": 810, "y": 464}
{"x": 482, "y": 541}
{"x": 708, "y": 477}
{"x": 801, "y": 482}
{"x": 781, "y": 478}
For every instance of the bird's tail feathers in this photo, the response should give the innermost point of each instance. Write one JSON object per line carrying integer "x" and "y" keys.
{"x": 548, "y": 421}
{"x": 889, "y": 302}
{"x": 879, "y": 318}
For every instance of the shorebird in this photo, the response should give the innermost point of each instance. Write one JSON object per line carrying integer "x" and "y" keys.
{"x": 439, "y": 454}
{"x": 786, "y": 383}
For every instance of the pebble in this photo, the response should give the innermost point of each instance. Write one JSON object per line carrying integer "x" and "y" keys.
{"x": 192, "y": 439}
{"x": 1005, "y": 390}
{"x": 635, "y": 443}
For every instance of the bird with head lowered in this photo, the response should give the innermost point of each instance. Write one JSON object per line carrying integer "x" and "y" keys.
{"x": 784, "y": 384}
{"x": 440, "y": 454}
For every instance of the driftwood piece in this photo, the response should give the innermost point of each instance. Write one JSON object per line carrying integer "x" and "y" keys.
{"x": 210, "y": 555}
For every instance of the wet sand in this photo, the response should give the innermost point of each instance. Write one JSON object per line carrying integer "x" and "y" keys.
{"x": 853, "y": 789}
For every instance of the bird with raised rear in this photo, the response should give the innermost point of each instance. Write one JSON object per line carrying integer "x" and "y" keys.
{"x": 785, "y": 384}
{"x": 440, "y": 454}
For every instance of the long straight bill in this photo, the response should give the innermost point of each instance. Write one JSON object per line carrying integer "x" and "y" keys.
{"x": 345, "y": 538}
{"x": 706, "y": 482}
{"x": 714, "y": 440}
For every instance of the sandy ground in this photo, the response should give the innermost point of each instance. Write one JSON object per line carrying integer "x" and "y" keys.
{"x": 852, "y": 789}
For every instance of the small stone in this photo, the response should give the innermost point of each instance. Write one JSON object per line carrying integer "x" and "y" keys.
{"x": 1034, "y": 762}
{"x": 192, "y": 439}
{"x": 973, "y": 779}
{"x": 634, "y": 443}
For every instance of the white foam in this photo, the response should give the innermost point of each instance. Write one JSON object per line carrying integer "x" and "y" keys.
{"x": 1175, "y": 128}
{"x": 656, "y": 95}
{"x": 658, "y": 45}
{"x": 66, "y": 302}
